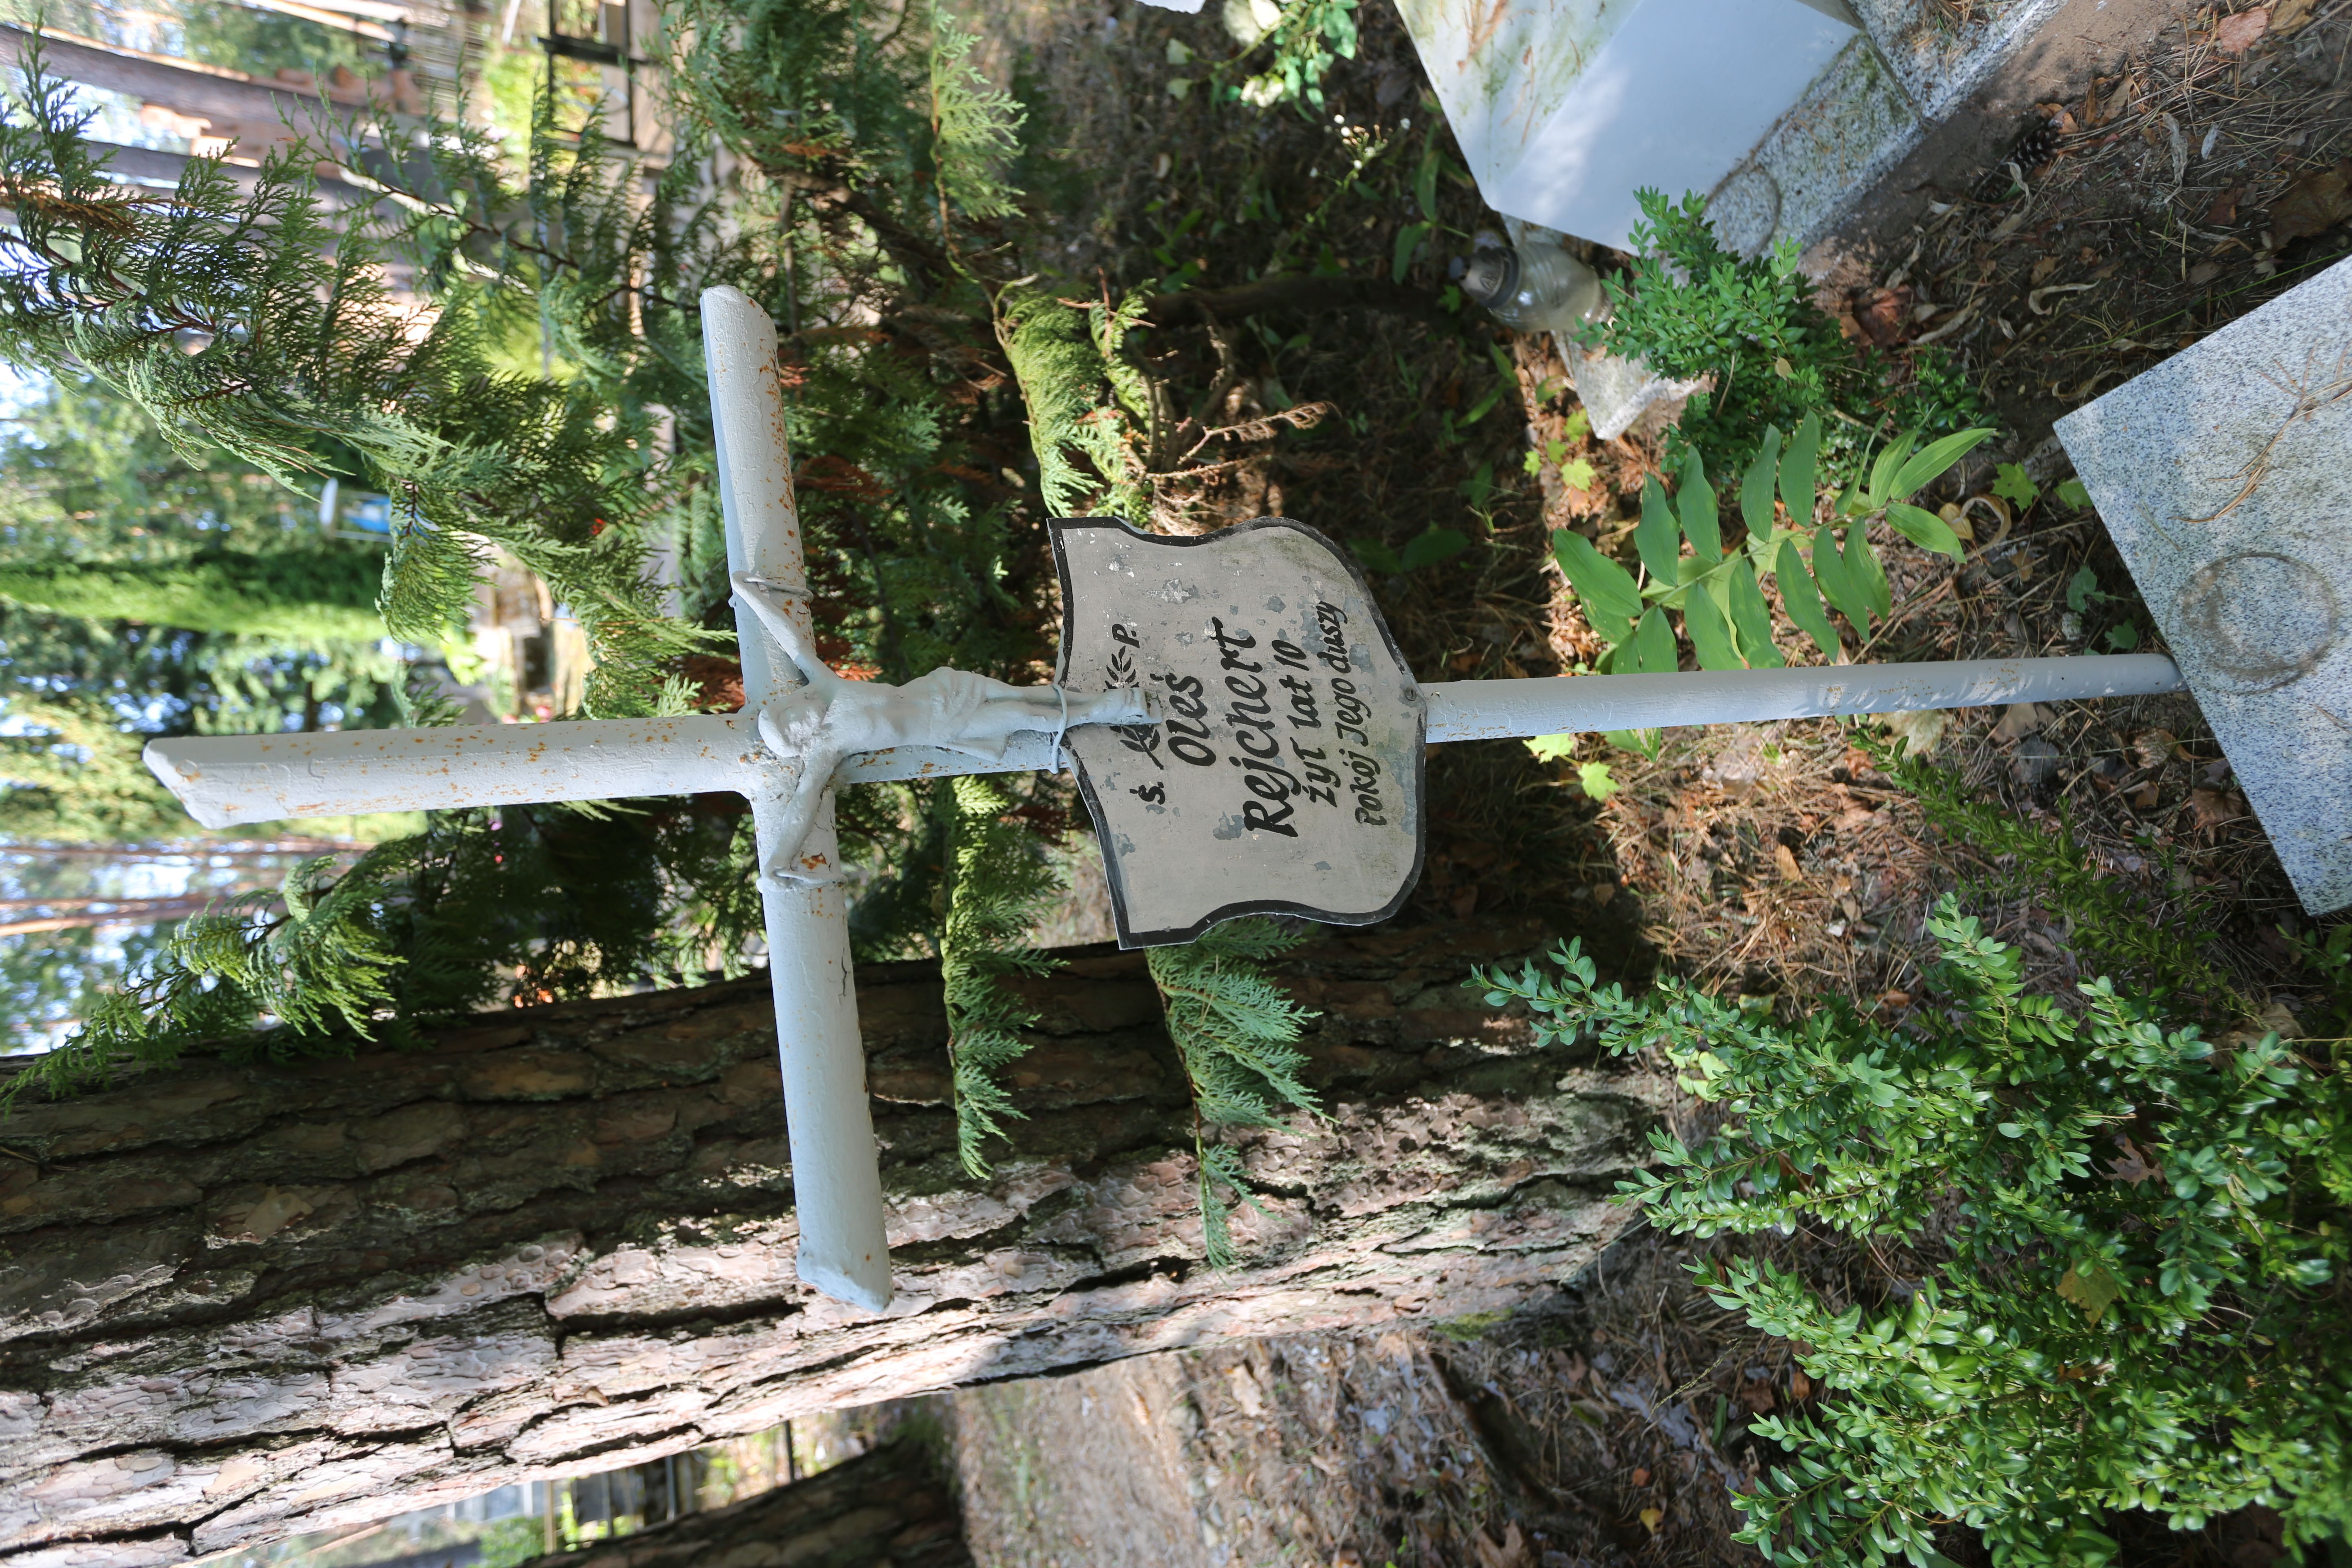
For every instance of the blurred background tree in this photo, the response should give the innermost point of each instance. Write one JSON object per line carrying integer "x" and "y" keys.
{"x": 479, "y": 294}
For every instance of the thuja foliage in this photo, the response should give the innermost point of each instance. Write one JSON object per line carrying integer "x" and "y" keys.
{"x": 883, "y": 166}
{"x": 1066, "y": 357}
{"x": 879, "y": 160}
{"x": 1693, "y": 309}
{"x": 314, "y": 954}
{"x": 998, "y": 885}
{"x": 2145, "y": 1232}
{"x": 1236, "y": 1033}
{"x": 88, "y": 476}
{"x": 555, "y": 408}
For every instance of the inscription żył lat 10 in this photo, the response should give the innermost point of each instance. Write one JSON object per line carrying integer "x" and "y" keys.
{"x": 1285, "y": 772}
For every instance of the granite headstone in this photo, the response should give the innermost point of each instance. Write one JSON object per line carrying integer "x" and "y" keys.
{"x": 2224, "y": 476}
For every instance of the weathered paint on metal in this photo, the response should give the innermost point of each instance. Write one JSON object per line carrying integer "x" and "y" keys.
{"x": 229, "y": 780}
{"x": 836, "y": 1177}
{"x": 1501, "y": 710}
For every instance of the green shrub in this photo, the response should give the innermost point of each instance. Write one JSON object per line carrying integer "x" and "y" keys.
{"x": 511, "y": 1541}
{"x": 998, "y": 885}
{"x": 1297, "y": 52}
{"x": 1693, "y": 308}
{"x": 2142, "y": 1305}
{"x": 1236, "y": 1032}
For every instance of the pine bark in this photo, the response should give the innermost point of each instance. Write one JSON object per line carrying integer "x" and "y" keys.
{"x": 241, "y": 1301}
{"x": 887, "y": 1508}
{"x": 224, "y": 99}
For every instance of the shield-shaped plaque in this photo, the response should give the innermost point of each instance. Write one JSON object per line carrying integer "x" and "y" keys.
{"x": 1285, "y": 774}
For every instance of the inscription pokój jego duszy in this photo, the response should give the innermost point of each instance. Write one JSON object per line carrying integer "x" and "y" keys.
{"x": 1284, "y": 774}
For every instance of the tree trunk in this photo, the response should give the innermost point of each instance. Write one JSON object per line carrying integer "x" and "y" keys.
{"x": 155, "y": 163}
{"x": 224, "y": 99}
{"x": 887, "y": 1508}
{"x": 240, "y": 1301}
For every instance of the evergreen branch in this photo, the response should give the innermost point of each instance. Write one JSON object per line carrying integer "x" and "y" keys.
{"x": 253, "y": 325}
{"x": 1062, "y": 355}
{"x": 975, "y": 129}
{"x": 998, "y": 886}
{"x": 322, "y": 963}
{"x": 1236, "y": 1031}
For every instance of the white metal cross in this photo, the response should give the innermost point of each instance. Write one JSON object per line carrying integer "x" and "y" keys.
{"x": 792, "y": 741}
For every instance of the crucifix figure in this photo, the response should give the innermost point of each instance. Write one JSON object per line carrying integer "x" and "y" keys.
{"x": 1246, "y": 735}
{"x": 828, "y": 721}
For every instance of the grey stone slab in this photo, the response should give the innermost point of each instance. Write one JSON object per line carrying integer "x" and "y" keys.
{"x": 1852, "y": 126}
{"x": 1939, "y": 60}
{"x": 2225, "y": 477}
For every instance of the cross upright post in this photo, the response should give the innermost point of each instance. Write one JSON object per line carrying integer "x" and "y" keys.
{"x": 837, "y": 1182}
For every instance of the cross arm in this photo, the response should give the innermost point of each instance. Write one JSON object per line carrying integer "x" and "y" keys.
{"x": 230, "y": 781}
{"x": 1500, "y": 710}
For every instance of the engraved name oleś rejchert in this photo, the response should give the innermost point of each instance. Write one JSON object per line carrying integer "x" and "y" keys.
{"x": 1271, "y": 726}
